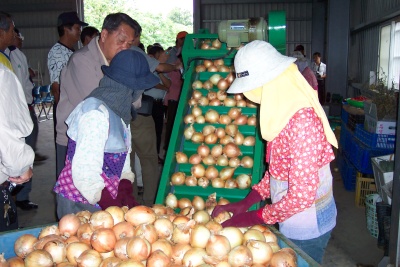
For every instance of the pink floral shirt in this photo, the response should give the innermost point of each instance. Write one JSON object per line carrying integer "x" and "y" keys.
{"x": 296, "y": 155}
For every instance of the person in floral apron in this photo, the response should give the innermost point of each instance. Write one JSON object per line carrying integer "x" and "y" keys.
{"x": 299, "y": 151}
{"x": 97, "y": 172}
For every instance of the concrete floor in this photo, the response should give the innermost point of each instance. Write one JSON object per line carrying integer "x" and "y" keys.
{"x": 350, "y": 245}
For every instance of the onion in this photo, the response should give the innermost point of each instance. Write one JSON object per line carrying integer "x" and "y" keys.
{"x": 196, "y": 94}
{"x": 158, "y": 259}
{"x": 209, "y": 160}
{"x": 138, "y": 248}
{"x": 116, "y": 213}
{"x": 222, "y": 84}
{"x": 84, "y": 233}
{"x": 215, "y": 103}
{"x": 230, "y": 77}
{"x": 181, "y": 234}
{"x": 40, "y": 258}
{"x": 212, "y": 138}
{"x": 199, "y": 236}
{"x": 214, "y": 79}
{"x": 43, "y": 241}
{"x": 201, "y": 217}
{"x": 196, "y": 111}
{"x": 212, "y": 96}
{"x": 140, "y": 214}
{"x": 110, "y": 262}
{"x": 101, "y": 219}
{"x": 164, "y": 228}
{"x": 243, "y": 181}
{"x": 224, "y": 119}
{"x": 192, "y": 102}
{"x": 57, "y": 250}
{"x": 211, "y": 172}
{"x": 229, "y": 102}
{"x": 214, "y": 227}
{"x": 222, "y": 160}
{"x": 226, "y": 173}
{"x": 283, "y": 257}
{"x": 107, "y": 255}
{"x": 189, "y": 118}
{"x": 208, "y": 85}
{"x": 147, "y": 231}
{"x": 200, "y": 68}
{"x": 274, "y": 246}
{"x": 241, "y": 103}
{"x": 211, "y": 116}
{"x": 226, "y": 140}
{"x": 212, "y": 68}
{"x": 191, "y": 181}
{"x": 198, "y": 203}
{"x": 198, "y": 170}
{"x": 218, "y": 245}
{"x": 197, "y": 138}
{"x": 200, "y": 119}
{"x": 234, "y": 235}
{"x": 234, "y": 162}
{"x": 181, "y": 157}
{"x": 189, "y": 131}
{"x": 241, "y": 120}
{"x": 238, "y": 97}
{"x": 24, "y": 245}
{"x": 240, "y": 256}
{"x": 207, "y": 63}
{"x": 252, "y": 120}
{"x": 238, "y": 139}
{"x": 224, "y": 68}
{"x": 221, "y": 95}
{"x": 103, "y": 240}
{"x": 247, "y": 162}
{"x": 261, "y": 252}
{"x": 231, "y": 129}
{"x": 249, "y": 141}
{"x": 72, "y": 239}
{"x": 231, "y": 183}
{"x": 130, "y": 263}
{"x": 217, "y": 44}
{"x": 68, "y": 225}
{"x": 233, "y": 113}
{"x": 89, "y": 258}
{"x": 217, "y": 183}
{"x": 123, "y": 229}
{"x": 197, "y": 85}
{"x": 49, "y": 230}
{"x": 270, "y": 236}
{"x": 203, "y": 150}
{"x": 171, "y": 201}
{"x": 120, "y": 248}
{"x": 208, "y": 129}
{"x": 13, "y": 262}
{"x": 178, "y": 178}
{"x": 184, "y": 202}
{"x": 231, "y": 150}
{"x": 253, "y": 234}
{"x": 251, "y": 104}
{"x": 203, "y": 101}
{"x": 195, "y": 159}
{"x": 194, "y": 257}
{"x": 216, "y": 151}
{"x": 178, "y": 251}
{"x": 74, "y": 250}
{"x": 222, "y": 217}
{"x": 163, "y": 245}
{"x": 203, "y": 182}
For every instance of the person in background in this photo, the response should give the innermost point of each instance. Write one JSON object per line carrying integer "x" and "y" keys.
{"x": 21, "y": 69}
{"x": 16, "y": 157}
{"x": 87, "y": 34}
{"x": 83, "y": 71}
{"x": 300, "y": 48}
{"x": 302, "y": 65}
{"x": 299, "y": 151}
{"x": 69, "y": 31}
{"x": 97, "y": 173}
{"x": 7, "y": 35}
{"x": 158, "y": 94}
{"x": 319, "y": 69}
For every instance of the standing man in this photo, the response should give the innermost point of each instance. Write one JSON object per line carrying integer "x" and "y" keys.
{"x": 69, "y": 31}
{"x": 83, "y": 71}
{"x": 319, "y": 69}
{"x": 7, "y": 36}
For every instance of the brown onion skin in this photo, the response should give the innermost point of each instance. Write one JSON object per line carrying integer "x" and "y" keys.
{"x": 24, "y": 245}
{"x": 103, "y": 240}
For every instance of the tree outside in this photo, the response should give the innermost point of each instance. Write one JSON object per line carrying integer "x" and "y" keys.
{"x": 160, "y": 28}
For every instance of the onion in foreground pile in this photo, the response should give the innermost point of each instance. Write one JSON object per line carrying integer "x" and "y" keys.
{"x": 146, "y": 236}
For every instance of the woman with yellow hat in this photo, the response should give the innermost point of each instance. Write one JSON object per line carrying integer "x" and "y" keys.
{"x": 299, "y": 151}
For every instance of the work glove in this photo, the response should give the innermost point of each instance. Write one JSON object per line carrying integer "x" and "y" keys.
{"x": 125, "y": 194}
{"x": 244, "y": 219}
{"x": 238, "y": 207}
{"x": 107, "y": 200}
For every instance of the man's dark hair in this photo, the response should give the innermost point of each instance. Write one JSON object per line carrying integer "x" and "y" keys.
{"x": 60, "y": 29}
{"x": 318, "y": 54}
{"x": 155, "y": 49}
{"x": 141, "y": 46}
{"x": 113, "y": 21}
{"x": 88, "y": 31}
{"x": 5, "y": 21}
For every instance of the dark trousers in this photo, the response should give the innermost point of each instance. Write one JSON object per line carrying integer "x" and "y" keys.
{"x": 158, "y": 117}
{"x": 171, "y": 113}
{"x": 9, "y": 219}
{"x": 321, "y": 91}
{"x": 61, "y": 152}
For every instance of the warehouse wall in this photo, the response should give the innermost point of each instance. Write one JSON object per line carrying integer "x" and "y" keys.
{"x": 37, "y": 21}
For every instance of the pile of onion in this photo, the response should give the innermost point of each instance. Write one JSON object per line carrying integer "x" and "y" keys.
{"x": 155, "y": 236}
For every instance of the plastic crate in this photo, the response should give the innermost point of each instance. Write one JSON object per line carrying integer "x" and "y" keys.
{"x": 373, "y": 140}
{"x": 360, "y": 155}
{"x": 348, "y": 172}
{"x": 344, "y": 116}
{"x": 355, "y": 120}
{"x": 364, "y": 186}
{"x": 370, "y": 213}
{"x": 382, "y": 178}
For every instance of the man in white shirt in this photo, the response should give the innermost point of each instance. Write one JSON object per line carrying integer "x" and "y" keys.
{"x": 319, "y": 69}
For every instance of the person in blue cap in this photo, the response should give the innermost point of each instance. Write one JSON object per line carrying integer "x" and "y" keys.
{"x": 97, "y": 173}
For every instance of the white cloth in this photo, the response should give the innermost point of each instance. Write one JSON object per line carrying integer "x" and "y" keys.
{"x": 321, "y": 69}
{"x": 56, "y": 60}
{"x": 21, "y": 69}
{"x": 15, "y": 123}
{"x": 90, "y": 134}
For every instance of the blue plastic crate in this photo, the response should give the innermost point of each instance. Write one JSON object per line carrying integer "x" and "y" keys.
{"x": 344, "y": 116}
{"x": 348, "y": 172}
{"x": 360, "y": 155}
{"x": 373, "y": 140}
